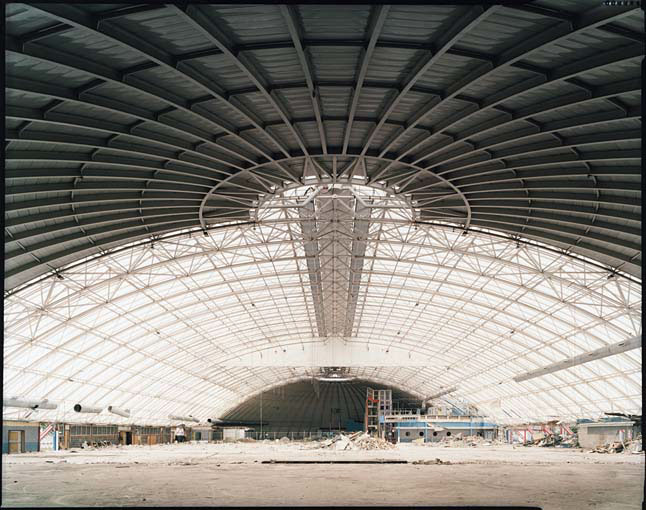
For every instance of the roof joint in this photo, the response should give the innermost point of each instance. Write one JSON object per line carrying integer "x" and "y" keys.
{"x": 590, "y": 90}
{"x": 532, "y": 68}
{"x": 504, "y": 110}
{"x": 535, "y": 123}
{"x": 42, "y": 33}
{"x": 87, "y": 87}
{"x": 165, "y": 111}
{"x": 135, "y": 125}
{"x": 137, "y": 68}
{"x": 618, "y": 103}
{"x": 23, "y": 125}
{"x": 623, "y": 32}
{"x": 202, "y": 99}
{"x": 125, "y": 11}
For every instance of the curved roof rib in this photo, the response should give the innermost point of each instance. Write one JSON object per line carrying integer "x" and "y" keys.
{"x": 537, "y": 125}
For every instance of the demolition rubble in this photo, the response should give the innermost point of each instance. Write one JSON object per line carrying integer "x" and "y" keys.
{"x": 355, "y": 441}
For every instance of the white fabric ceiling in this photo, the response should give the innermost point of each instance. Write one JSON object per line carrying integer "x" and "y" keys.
{"x": 151, "y": 327}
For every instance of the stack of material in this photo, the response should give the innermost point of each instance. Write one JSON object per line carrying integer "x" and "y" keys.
{"x": 460, "y": 440}
{"x": 629, "y": 447}
{"x": 366, "y": 442}
{"x": 615, "y": 447}
{"x": 95, "y": 444}
{"x": 572, "y": 442}
{"x": 356, "y": 441}
{"x": 634, "y": 446}
{"x": 548, "y": 440}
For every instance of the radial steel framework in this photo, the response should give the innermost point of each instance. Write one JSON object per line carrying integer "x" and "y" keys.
{"x": 144, "y": 141}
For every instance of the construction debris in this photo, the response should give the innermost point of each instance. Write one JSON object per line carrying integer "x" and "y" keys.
{"x": 95, "y": 444}
{"x": 630, "y": 447}
{"x": 459, "y": 440}
{"x": 615, "y": 447}
{"x": 435, "y": 461}
{"x": 357, "y": 441}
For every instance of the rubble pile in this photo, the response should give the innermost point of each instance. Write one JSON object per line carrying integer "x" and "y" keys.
{"x": 95, "y": 444}
{"x": 460, "y": 440}
{"x": 435, "y": 461}
{"x": 615, "y": 447}
{"x": 631, "y": 446}
{"x": 553, "y": 440}
{"x": 357, "y": 441}
{"x": 548, "y": 440}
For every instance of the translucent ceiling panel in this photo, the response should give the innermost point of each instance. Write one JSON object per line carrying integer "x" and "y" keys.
{"x": 156, "y": 327}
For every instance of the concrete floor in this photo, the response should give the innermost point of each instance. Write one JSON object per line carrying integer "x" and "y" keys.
{"x": 233, "y": 474}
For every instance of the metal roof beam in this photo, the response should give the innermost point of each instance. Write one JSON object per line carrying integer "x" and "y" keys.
{"x": 76, "y": 17}
{"x": 380, "y": 13}
{"x": 622, "y": 216}
{"x": 494, "y": 101}
{"x": 126, "y": 11}
{"x": 63, "y": 94}
{"x": 159, "y": 215}
{"x": 290, "y": 15}
{"x": 572, "y": 243}
{"x": 42, "y": 33}
{"x": 312, "y": 255}
{"x": 623, "y": 32}
{"x": 531, "y": 214}
{"x": 112, "y": 76}
{"x": 208, "y": 172}
{"x": 336, "y": 84}
{"x": 575, "y": 231}
{"x": 99, "y": 210}
{"x": 603, "y": 352}
{"x": 167, "y": 225}
{"x": 547, "y": 128}
{"x": 84, "y": 198}
{"x": 512, "y": 56}
{"x": 481, "y": 155}
{"x": 208, "y": 29}
{"x": 449, "y": 37}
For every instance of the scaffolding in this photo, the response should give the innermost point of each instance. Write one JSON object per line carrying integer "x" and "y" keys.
{"x": 379, "y": 404}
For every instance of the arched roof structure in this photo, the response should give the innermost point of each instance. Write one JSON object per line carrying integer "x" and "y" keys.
{"x": 197, "y": 194}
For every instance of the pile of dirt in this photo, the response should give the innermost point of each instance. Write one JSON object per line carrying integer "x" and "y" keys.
{"x": 356, "y": 441}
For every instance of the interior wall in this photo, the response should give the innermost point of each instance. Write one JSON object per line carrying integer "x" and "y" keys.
{"x": 307, "y": 406}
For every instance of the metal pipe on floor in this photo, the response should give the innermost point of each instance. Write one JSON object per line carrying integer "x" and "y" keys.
{"x": 121, "y": 412}
{"x": 87, "y": 409}
{"x": 31, "y": 404}
{"x": 182, "y": 418}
